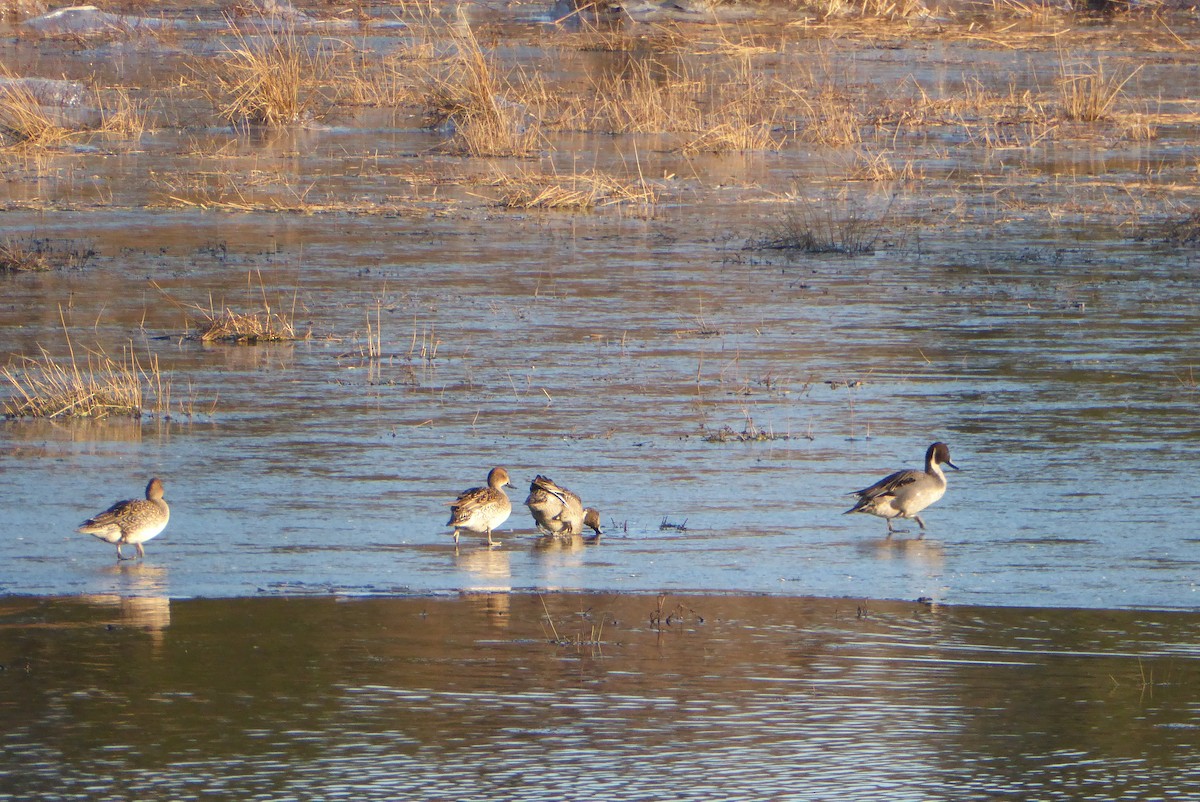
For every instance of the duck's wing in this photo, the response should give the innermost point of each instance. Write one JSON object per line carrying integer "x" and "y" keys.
{"x": 110, "y": 517}
{"x": 548, "y": 486}
{"x": 888, "y": 485}
{"x": 467, "y": 502}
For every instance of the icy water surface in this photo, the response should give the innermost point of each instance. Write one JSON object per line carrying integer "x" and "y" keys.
{"x": 582, "y": 697}
{"x": 1018, "y": 299}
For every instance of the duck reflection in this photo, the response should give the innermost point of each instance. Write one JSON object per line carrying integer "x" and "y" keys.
{"x": 138, "y": 578}
{"x": 486, "y": 565}
{"x": 929, "y": 554}
{"x": 151, "y": 614}
{"x": 493, "y": 607}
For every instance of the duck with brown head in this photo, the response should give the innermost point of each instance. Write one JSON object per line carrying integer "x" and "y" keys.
{"x": 131, "y": 522}
{"x": 482, "y": 509}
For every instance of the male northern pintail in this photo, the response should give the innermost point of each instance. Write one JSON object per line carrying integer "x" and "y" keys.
{"x": 133, "y": 521}
{"x": 905, "y": 493}
{"x": 482, "y": 509}
{"x": 559, "y": 512}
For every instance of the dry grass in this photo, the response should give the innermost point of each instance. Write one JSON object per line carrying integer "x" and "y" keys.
{"x": 469, "y": 95}
{"x": 1086, "y": 94}
{"x": 587, "y": 190}
{"x": 829, "y": 116}
{"x": 880, "y": 167}
{"x": 648, "y": 97}
{"x": 262, "y": 79}
{"x": 1183, "y": 230}
{"x": 25, "y": 122}
{"x": 120, "y": 115}
{"x": 44, "y": 387}
{"x": 864, "y": 9}
{"x": 727, "y": 105}
{"x": 823, "y": 226}
{"x": 361, "y": 78}
{"x": 246, "y": 328}
{"x": 212, "y": 324}
{"x": 741, "y": 116}
{"x": 750, "y": 433}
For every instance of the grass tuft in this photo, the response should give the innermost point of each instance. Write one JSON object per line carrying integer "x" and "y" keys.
{"x": 45, "y": 387}
{"x": 824, "y": 227}
{"x": 24, "y": 121}
{"x": 588, "y": 190}
{"x": 1087, "y": 94}
{"x": 470, "y": 97}
{"x": 261, "y": 80}
{"x": 263, "y": 325}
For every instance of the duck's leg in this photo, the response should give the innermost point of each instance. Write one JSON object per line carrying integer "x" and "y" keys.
{"x": 489, "y": 537}
{"x": 891, "y": 531}
{"x": 456, "y": 536}
{"x": 141, "y": 551}
{"x": 120, "y": 556}
{"x": 917, "y": 518}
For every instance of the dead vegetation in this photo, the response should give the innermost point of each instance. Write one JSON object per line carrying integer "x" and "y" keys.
{"x": 750, "y": 433}
{"x": 24, "y": 121}
{"x": 480, "y": 106}
{"x": 261, "y": 79}
{"x": 97, "y": 387}
{"x": 1087, "y": 94}
{"x": 1183, "y": 230}
{"x": 823, "y": 226}
{"x": 525, "y": 189}
{"x": 224, "y": 324}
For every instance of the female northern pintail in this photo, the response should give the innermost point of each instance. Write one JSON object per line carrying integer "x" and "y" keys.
{"x": 482, "y": 509}
{"x": 559, "y": 512}
{"x": 133, "y": 521}
{"x": 905, "y": 493}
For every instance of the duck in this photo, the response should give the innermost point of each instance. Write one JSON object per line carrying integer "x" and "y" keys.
{"x": 904, "y": 494}
{"x": 482, "y": 509}
{"x": 557, "y": 511}
{"x": 131, "y": 522}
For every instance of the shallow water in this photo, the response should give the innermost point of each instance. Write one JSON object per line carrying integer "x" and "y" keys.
{"x": 587, "y": 696}
{"x": 1017, "y": 305}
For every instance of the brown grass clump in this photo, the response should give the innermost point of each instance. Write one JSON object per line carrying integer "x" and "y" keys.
{"x": 727, "y": 106}
{"x": 649, "y": 97}
{"x": 825, "y": 226}
{"x": 1087, "y": 94}
{"x": 864, "y": 9}
{"x": 246, "y": 328}
{"x": 829, "y": 116}
{"x": 226, "y": 325}
{"x": 588, "y": 190}
{"x": 262, "y": 79}
{"x": 750, "y": 433}
{"x": 478, "y": 104}
{"x": 24, "y": 121}
{"x": 1184, "y": 230}
{"x": 742, "y": 114}
{"x": 47, "y": 388}
{"x": 121, "y": 115}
